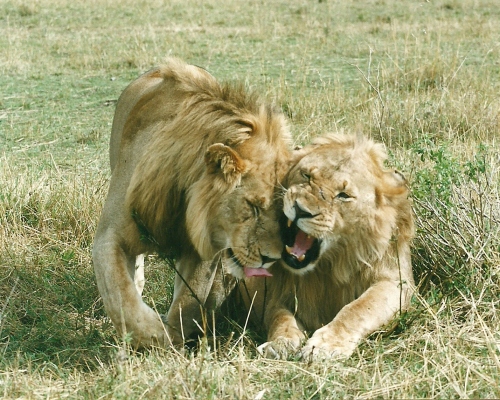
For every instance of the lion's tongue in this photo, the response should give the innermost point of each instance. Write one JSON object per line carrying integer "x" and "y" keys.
{"x": 303, "y": 242}
{"x": 249, "y": 272}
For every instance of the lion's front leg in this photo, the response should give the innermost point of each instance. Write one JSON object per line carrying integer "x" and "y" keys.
{"x": 200, "y": 287}
{"x": 372, "y": 310}
{"x": 139, "y": 278}
{"x": 285, "y": 336}
{"x": 114, "y": 270}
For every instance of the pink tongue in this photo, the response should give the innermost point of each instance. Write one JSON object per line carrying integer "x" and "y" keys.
{"x": 249, "y": 272}
{"x": 303, "y": 243}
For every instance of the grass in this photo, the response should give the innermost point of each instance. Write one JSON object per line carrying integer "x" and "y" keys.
{"x": 422, "y": 77}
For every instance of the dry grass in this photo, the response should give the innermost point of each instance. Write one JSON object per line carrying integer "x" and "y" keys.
{"x": 423, "y": 77}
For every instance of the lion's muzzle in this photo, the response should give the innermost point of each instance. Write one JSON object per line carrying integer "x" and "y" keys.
{"x": 301, "y": 249}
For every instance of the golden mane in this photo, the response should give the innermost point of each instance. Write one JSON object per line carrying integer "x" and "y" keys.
{"x": 218, "y": 113}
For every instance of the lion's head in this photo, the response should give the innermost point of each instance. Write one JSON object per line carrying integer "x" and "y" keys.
{"x": 340, "y": 196}
{"x": 214, "y": 156}
{"x": 235, "y": 199}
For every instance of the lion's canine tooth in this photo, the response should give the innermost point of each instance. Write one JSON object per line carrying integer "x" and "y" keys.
{"x": 301, "y": 258}
{"x": 289, "y": 223}
{"x": 288, "y": 249}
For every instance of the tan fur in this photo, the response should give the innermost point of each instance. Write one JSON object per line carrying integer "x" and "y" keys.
{"x": 195, "y": 165}
{"x": 363, "y": 276}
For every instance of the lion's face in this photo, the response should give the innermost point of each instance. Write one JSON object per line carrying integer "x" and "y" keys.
{"x": 335, "y": 194}
{"x": 245, "y": 225}
{"x": 236, "y": 201}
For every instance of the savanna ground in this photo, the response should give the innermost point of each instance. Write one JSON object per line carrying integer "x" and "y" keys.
{"x": 421, "y": 76}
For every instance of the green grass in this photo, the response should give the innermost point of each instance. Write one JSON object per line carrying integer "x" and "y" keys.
{"x": 422, "y": 77}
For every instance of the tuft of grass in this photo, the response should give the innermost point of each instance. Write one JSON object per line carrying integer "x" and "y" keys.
{"x": 457, "y": 217}
{"x": 47, "y": 227}
{"x": 422, "y": 77}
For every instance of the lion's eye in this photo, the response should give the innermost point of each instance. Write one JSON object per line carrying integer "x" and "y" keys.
{"x": 305, "y": 175}
{"x": 343, "y": 196}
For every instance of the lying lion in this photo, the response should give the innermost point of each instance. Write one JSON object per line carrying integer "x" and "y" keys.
{"x": 194, "y": 168}
{"x": 346, "y": 270}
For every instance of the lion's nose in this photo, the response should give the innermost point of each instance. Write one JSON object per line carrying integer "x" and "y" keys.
{"x": 301, "y": 213}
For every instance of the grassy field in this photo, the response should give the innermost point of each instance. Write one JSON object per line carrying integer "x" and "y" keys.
{"x": 421, "y": 76}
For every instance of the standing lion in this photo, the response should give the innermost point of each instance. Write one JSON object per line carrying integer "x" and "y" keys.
{"x": 195, "y": 165}
{"x": 346, "y": 269}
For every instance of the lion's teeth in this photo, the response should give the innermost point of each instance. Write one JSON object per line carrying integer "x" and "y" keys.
{"x": 288, "y": 249}
{"x": 289, "y": 223}
{"x": 301, "y": 258}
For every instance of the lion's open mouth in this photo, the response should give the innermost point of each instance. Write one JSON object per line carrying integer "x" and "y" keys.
{"x": 301, "y": 249}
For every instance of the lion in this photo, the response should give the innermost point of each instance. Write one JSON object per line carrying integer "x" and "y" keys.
{"x": 346, "y": 269}
{"x": 195, "y": 166}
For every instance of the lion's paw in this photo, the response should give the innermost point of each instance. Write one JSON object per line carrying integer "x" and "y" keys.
{"x": 279, "y": 349}
{"x": 324, "y": 345}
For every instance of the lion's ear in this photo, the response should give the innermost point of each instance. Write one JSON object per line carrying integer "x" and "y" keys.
{"x": 226, "y": 161}
{"x": 398, "y": 178}
{"x": 393, "y": 186}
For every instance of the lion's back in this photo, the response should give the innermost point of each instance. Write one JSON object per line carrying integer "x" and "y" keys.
{"x": 156, "y": 94}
